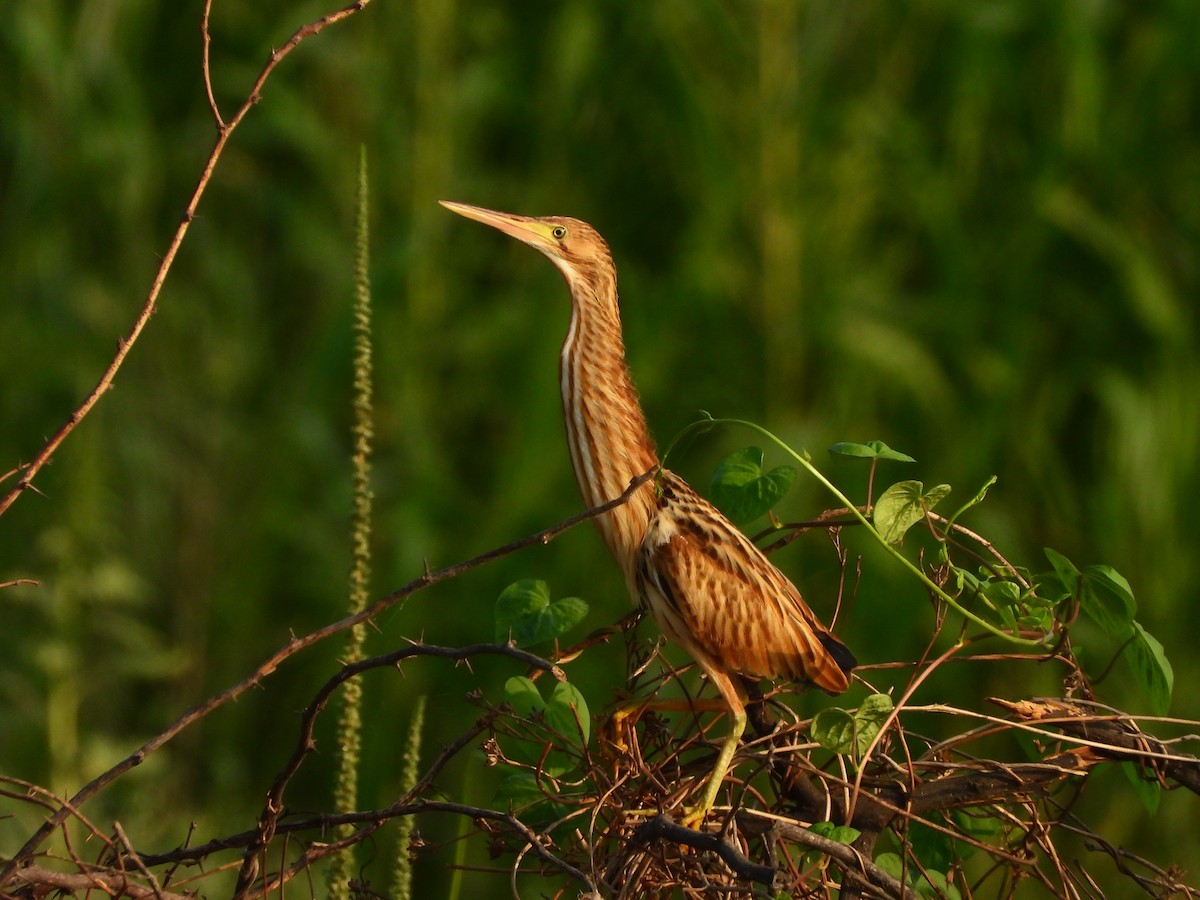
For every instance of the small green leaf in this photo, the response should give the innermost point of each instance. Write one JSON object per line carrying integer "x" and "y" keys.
{"x": 869, "y": 450}
{"x": 965, "y": 580}
{"x": 935, "y": 849}
{"x": 903, "y": 505}
{"x": 936, "y": 886}
{"x": 869, "y": 718}
{"x": 1149, "y": 791}
{"x": 1008, "y": 618}
{"x": 1003, "y": 593}
{"x": 833, "y": 729}
{"x": 743, "y": 491}
{"x": 981, "y": 827}
{"x": 843, "y": 834}
{"x": 523, "y": 696}
{"x": 1064, "y": 569}
{"x": 520, "y": 789}
{"x": 1038, "y": 620}
{"x": 892, "y": 864}
{"x": 1106, "y": 597}
{"x": 567, "y": 713}
{"x": 842, "y": 732}
{"x": 525, "y": 614}
{"x": 973, "y": 823}
{"x": 1050, "y": 587}
{"x": 1151, "y": 669}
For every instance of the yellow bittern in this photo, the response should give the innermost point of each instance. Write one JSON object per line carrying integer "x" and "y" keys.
{"x": 711, "y": 590}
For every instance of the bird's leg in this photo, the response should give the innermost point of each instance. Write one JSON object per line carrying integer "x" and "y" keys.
{"x": 696, "y": 814}
{"x": 616, "y": 726}
{"x": 735, "y": 699}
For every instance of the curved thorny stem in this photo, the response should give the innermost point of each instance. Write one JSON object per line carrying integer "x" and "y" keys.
{"x": 225, "y": 130}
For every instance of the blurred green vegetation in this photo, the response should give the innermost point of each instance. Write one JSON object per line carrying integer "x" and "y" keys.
{"x": 969, "y": 230}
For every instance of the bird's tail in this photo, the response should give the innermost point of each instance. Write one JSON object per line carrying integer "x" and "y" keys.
{"x": 842, "y": 657}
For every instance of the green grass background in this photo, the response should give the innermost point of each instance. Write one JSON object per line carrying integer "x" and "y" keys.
{"x": 967, "y": 229}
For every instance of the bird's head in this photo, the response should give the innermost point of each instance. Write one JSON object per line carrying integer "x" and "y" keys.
{"x": 574, "y": 246}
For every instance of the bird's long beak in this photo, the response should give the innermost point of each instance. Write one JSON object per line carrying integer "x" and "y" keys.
{"x": 524, "y": 228}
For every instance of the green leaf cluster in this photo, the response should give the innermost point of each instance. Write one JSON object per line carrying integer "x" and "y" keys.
{"x": 932, "y": 884}
{"x": 525, "y": 615}
{"x": 565, "y": 724}
{"x": 939, "y": 852}
{"x": 1105, "y": 597}
{"x": 1016, "y": 606}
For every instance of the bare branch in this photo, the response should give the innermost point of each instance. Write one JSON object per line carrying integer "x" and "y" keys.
{"x": 124, "y": 345}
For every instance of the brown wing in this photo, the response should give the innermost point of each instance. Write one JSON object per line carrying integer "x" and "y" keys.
{"x": 715, "y": 593}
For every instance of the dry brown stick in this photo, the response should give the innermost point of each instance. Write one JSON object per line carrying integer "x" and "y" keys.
{"x": 535, "y": 841}
{"x": 205, "y": 68}
{"x": 150, "y": 304}
{"x": 132, "y": 854}
{"x": 371, "y": 819}
{"x": 111, "y": 883}
{"x": 294, "y": 646}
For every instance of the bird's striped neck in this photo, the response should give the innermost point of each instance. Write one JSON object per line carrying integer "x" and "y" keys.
{"x": 609, "y": 441}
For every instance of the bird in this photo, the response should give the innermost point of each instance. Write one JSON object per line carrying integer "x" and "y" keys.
{"x": 709, "y": 588}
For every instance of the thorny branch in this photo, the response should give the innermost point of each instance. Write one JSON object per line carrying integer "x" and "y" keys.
{"x": 224, "y": 131}
{"x": 294, "y": 646}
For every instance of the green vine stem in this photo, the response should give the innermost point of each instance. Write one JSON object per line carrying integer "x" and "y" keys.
{"x": 804, "y": 460}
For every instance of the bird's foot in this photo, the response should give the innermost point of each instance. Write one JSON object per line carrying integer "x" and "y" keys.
{"x": 693, "y": 817}
{"x": 620, "y": 730}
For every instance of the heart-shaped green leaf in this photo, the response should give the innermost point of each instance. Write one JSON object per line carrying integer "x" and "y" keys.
{"x": 833, "y": 729}
{"x": 869, "y": 450}
{"x": 869, "y": 718}
{"x": 567, "y": 713}
{"x": 525, "y": 614}
{"x": 851, "y": 733}
{"x": 843, "y": 834}
{"x": 743, "y": 491}
{"x": 903, "y": 505}
{"x": 523, "y": 696}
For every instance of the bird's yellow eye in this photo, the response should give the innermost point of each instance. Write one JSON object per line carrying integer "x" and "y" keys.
{"x": 559, "y": 232}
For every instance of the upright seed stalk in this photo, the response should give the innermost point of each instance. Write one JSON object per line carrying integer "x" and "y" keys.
{"x": 349, "y": 733}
